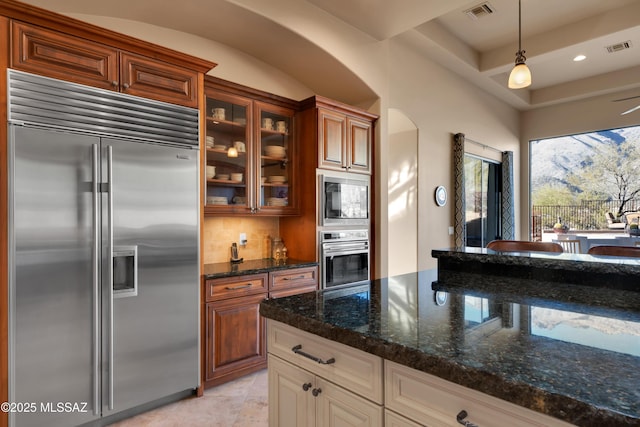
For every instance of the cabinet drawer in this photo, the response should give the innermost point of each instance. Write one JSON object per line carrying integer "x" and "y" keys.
{"x": 287, "y": 292}
{"x": 298, "y": 277}
{"x": 434, "y": 401}
{"x": 40, "y": 51}
{"x": 353, "y": 369}
{"x": 230, "y": 287}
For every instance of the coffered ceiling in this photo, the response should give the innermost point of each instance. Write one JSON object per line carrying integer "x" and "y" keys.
{"x": 481, "y": 49}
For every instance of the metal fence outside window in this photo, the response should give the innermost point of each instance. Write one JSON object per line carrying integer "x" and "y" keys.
{"x": 589, "y": 215}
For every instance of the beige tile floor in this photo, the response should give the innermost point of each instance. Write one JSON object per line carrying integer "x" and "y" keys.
{"x": 240, "y": 403}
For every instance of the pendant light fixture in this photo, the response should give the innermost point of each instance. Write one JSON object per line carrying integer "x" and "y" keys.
{"x": 520, "y": 75}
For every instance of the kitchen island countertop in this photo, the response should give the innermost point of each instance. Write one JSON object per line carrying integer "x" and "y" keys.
{"x": 568, "y": 351}
{"x": 253, "y": 266}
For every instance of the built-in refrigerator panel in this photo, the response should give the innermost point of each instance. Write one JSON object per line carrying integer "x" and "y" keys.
{"x": 103, "y": 252}
{"x": 154, "y": 204}
{"x": 53, "y": 307}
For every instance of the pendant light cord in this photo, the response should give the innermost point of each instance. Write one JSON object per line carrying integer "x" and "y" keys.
{"x": 520, "y": 58}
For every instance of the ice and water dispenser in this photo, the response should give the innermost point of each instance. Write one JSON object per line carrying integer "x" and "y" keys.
{"x": 125, "y": 271}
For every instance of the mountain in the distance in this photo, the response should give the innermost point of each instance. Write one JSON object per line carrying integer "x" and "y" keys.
{"x": 553, "y": 159}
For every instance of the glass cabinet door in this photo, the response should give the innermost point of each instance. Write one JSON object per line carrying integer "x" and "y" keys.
{"x": 276, "y": 149}
{"x": 228, "y": 150}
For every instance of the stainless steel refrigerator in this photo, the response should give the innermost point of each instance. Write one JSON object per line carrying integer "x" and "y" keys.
{"x": 104, "y": 251}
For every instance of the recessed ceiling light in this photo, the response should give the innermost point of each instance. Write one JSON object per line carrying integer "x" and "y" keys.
{"x": 579, "y": 58}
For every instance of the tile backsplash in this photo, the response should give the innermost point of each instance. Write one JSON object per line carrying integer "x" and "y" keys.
{"x": 220, "y": 233}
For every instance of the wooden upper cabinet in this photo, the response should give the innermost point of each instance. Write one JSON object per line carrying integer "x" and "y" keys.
{"x": 62, "y": 56}
{"x": 344, "y": 138}
{"x": 39, "y": 51}
{"x": 332, "y": 137}
{"x": 146, "y": 77}
{"x": 359, "y": 148}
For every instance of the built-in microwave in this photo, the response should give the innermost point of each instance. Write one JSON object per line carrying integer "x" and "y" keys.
{"x": 344, "y": 200}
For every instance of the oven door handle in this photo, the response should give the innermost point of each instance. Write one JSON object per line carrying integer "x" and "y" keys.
{"x": 345, "y": 251}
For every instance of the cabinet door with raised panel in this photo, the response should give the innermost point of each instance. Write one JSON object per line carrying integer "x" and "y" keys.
{"x": 337, "y": 407}
{"x": 359, "y": 148}
{"x": 291, "y": 400}
{"x": 332, "y": 137}
{"x": 235, "y": 338}
{"x": 149, "y": 78}
{"x": 39, "y": 51}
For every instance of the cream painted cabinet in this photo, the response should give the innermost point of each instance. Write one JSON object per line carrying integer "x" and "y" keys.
{"x": 299, "y": 398}
{"x": 432, "y": 401}
{"x": 318, "y": 382}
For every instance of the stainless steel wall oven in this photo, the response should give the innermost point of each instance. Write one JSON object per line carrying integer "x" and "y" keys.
{"x": 344, "y": 256}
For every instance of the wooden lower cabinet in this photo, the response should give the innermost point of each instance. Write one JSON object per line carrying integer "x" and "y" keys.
{"x": 234, "y": 334}
{"x": 299, "y": 398}
{"x": 235, "y": 343}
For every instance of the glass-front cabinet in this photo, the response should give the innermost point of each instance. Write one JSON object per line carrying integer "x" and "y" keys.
{"x": 228, "y": 146}
{"x": 276, "y": 149}
{"x": 250, "y": 147}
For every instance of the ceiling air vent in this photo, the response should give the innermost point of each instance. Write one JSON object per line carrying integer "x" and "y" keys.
{"x": 480, "y": 11}
{"x": 619, "y": 46}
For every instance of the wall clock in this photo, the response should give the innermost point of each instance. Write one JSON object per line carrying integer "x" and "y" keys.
{"x": 441, "y": 195}
{"x": 440, "y": 298}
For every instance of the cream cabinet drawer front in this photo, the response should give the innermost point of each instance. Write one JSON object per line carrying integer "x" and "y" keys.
{"x": 353, "y": 369}
{"x": 435, "y": 402}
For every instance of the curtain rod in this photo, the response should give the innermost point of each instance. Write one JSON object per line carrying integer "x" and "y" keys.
{"x": 482, "y": 145}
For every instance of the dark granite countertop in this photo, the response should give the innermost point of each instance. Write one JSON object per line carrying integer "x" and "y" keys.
{"x": 569, "y": 351}
{"x": 581, "y": 269}
{"x": 253, "y": 266}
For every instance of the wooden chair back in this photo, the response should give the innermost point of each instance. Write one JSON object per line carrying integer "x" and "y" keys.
{"x": 523, "y": 246}
{"x": 623, "y": 251}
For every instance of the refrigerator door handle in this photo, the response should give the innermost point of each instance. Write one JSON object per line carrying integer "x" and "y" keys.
{"x": 110, "y": 263}
{"x": 96, "y": 283}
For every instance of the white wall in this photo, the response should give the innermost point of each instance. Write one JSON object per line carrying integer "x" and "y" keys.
{"x": 441, "y": 104}
{"x": 402, "y": 181}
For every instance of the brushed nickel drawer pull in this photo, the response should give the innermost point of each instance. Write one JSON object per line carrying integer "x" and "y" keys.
{"x": 298, "y": 350}
{"x": 461, "y": 419}
{"x": 302, "y": 276}
{"x": 235, "y": 288}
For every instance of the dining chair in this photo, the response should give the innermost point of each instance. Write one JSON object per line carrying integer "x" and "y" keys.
{"x": 523, "y": 246}
{"x": 620, "y": 251}
{"x": 571, "y": 246}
